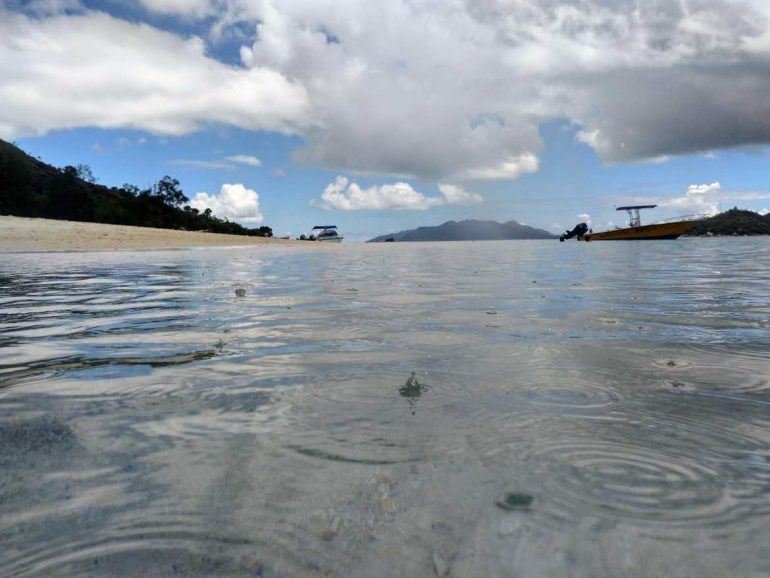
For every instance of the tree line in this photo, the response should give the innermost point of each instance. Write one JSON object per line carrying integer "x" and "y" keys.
{"x": 31, "y": 188}
{"x": 736, "y": 221}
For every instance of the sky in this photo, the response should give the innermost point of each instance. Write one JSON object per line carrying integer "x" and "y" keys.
{"x": 379, "y": 116}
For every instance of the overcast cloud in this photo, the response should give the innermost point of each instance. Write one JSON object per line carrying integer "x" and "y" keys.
{"x": 431, "y": 89}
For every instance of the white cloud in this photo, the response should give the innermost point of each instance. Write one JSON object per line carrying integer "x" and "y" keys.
{"x": 96, "y": 70}
{"x": 457, "y": 90}
{"x": 199, "y": 164}
{"x": 698, "y": 200}
{"x": 456, "y": 195}
{"x": 346, "y": 196}
{"x": 245, "y": 160}
{"x": 509, "y": 169}
{"x": 436, "y": 90}
{"x": 226, "y": 164}
{"x": 711, "y": 189}
{"x": 585, "y": 218}
{"x": 704, "y": 199}
{"x": 234, "y": 202}
{"x": 763, "y": 212}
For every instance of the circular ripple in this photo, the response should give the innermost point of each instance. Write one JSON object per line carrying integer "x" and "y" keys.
{"x": 740, "y": 372}
{"x": 672, "y": 363}
{"x": 575, "y": 396}
{"x": 370, "y": 420}
{"x": 386, "y": 394}
{"x": 625, "y": 481}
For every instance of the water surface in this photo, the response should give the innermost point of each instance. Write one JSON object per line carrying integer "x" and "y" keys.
{"x": 466, "y": 409}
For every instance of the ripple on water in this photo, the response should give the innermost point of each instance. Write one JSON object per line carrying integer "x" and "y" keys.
{"x": 575, "y": 396}
{"x": 151, "y": 549}
{"x": 669, "y": 471}
{"x": 172, "y": 455}
{"x": 631, "y": 482}
{"x": 373, "y": 420}
{"x": 384, "y": 394}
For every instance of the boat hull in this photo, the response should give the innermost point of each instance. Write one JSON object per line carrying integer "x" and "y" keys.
{"x": 643, "y": 232}
{"x": 332, "y": 240}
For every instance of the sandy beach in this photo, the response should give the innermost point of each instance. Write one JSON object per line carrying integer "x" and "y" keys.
{"x": 18, "y": 234}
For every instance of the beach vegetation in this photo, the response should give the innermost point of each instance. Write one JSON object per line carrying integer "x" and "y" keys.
{"x": 31, "y": 188}
{"x": 735, "y": 222}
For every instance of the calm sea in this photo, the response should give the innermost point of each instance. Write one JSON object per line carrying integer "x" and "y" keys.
{"x": 468, "y": 409}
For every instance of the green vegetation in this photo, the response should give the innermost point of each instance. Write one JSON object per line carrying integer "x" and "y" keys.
{"x": 31, "y": 188}
{"x": 733, "y": 222}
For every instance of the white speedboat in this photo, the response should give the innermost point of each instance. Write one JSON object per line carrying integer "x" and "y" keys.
{"x": 327, "y": 233}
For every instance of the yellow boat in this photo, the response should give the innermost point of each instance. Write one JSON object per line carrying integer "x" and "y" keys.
{"x": 635, "y": 230}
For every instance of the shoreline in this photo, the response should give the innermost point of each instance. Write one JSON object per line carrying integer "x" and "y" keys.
{"x": 30, "y": 235}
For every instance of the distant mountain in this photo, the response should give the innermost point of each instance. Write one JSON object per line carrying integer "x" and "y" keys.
{"x": 470, "y": 230}
{"x": 733, "y": 222}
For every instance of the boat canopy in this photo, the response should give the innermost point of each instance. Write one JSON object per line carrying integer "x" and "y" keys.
{"x": 632, "y": 207}
{"x": 633, "y": 213}
{"x": 324, "y": 227}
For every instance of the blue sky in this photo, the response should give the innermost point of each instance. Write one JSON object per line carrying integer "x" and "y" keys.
{"x": 423, "y": 124}
{"x": 571, "y": 180}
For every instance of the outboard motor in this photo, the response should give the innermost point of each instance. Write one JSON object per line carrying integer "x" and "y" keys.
{"x": 579, "y": 230}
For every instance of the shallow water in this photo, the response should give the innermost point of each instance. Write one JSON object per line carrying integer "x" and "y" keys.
{"x": 465, "y": 409}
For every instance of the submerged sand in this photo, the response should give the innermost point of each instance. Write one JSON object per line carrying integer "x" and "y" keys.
{"x": 18, "y": 234}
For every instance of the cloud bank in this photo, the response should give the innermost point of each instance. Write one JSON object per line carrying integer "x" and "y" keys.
{"x": 704, "y": 199}
{"x": 346, "y": 196}
{"x": 96, "y": 70}
{"x": 441, "y": 91}
{"x": 699, "y": 199}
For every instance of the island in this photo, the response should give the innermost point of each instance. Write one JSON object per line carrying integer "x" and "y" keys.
{"x": 734, "y": 223}
{"x": 468, "y": 230}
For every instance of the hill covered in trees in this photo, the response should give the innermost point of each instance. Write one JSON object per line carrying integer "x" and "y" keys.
{"x": 470, "y": 230}
{"x": 32, "y": 188}
{"x": 733, "y": 222}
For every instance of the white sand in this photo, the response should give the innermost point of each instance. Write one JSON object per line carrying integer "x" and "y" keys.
{"x": 18, "y": 234}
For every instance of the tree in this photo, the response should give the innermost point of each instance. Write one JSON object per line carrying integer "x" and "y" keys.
{"x": 168, "y": 190}
{"x": 131, "y": 189}
{"x": 16, "y": 182}
{"x": 69, "y": 197}
{"x": 84, "y": 172}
